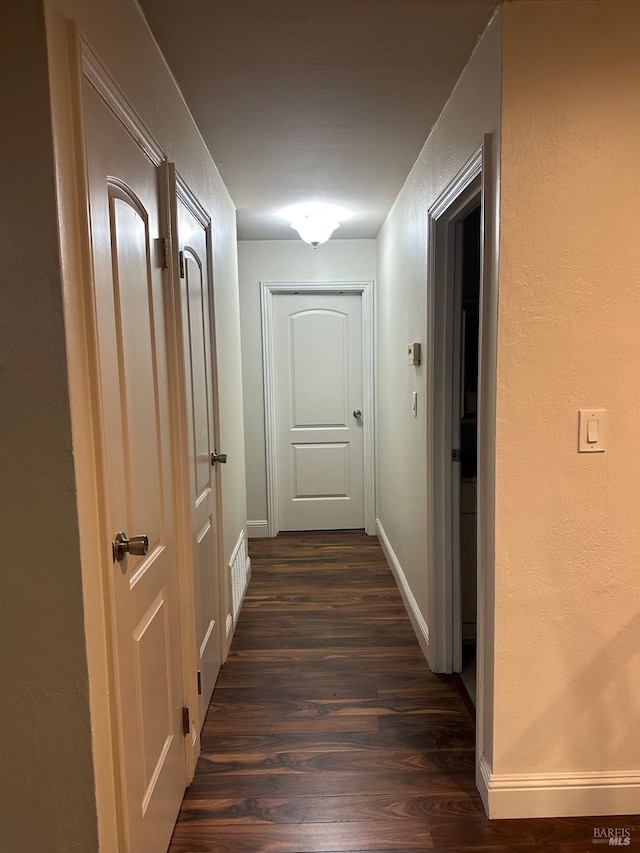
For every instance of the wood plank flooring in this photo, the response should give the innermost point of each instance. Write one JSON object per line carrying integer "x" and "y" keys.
{"x": 327, "y": 732}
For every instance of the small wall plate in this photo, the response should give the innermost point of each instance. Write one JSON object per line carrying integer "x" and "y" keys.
{"x": 414, "y": 354}
{"x": 592, "y": 430}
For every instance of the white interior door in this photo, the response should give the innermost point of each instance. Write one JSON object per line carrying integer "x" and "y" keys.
{"x": 318, "y": 374}
{"x": 199, "y": 388}
{"x": 134, "y": 422}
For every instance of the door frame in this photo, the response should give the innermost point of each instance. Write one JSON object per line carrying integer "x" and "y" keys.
{"x": 445, "y": 216}
{"x": 457, "y": 199}
{"x": 483, "y": 165}
{"x": 268, "y": 289}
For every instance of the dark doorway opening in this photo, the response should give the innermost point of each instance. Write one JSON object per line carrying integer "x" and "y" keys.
{"x": 469, "y": 234}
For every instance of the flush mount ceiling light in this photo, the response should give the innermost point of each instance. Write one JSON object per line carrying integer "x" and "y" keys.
{"x": 316, "y": 222}
{"x": 315, "y": 229}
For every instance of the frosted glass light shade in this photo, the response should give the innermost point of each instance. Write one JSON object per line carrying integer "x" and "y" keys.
{"x": 315, "y": 221}
{"x": 315, "y": 229}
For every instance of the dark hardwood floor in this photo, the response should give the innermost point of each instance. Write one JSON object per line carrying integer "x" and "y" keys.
{"x": 327, "y": 731}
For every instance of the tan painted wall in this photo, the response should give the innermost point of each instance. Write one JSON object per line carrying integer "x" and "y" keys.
{"x": 568, "y": 525}
{"x": 282, "y": 260}
{"x": 47, "y": 799}
{"x": 472, "y": 111}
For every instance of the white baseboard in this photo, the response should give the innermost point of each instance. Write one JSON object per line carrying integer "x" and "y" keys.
{"x": 258, "y": 529}
{"x": 417, "y": 619}
{"x": 532, "y": 795}
{"x": 483, "y": 775}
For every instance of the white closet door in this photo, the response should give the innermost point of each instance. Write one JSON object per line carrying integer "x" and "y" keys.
{"x": 138, "y": 494}
{"x": 199, "y": 388}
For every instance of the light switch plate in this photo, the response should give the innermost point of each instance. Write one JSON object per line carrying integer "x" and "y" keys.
{"x": 592, "y": 430}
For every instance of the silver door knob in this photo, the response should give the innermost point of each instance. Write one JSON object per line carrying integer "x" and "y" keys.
{"x": 357, "y": 413}
{"x": 137, "y": 545}
{"x": 218, "y": 457}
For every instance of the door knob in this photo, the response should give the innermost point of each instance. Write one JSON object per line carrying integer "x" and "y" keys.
{"x": 218, "y": 457}
{"x": 357, "y": 414}
{"x": 137, "y": 545}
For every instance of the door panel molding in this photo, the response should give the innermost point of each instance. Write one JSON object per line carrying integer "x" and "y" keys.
{"x": 267, "y": 291}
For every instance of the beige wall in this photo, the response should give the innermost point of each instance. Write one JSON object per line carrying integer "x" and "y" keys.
{"x": 567, "y": 524}
{"x": 561, "y": 710}
{"x": 282, "y": 260}
{"x": 47, "y": 799}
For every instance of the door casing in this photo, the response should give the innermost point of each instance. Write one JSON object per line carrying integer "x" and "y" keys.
{"x": 267, "y": 291}
{"x": 458, "y": 197}
{"x": 445, "y": 371}
{"x": 479, "y": 177}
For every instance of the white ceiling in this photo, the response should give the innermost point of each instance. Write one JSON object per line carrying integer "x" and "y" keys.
{"x": 315, "y": 100}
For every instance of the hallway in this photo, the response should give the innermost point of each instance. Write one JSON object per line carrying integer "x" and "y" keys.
{"x": 327, "y": 731}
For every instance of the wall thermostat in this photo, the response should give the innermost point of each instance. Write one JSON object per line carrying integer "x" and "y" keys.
{"x": 414, "y": 354}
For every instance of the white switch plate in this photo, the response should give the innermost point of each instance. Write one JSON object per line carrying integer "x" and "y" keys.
{"x": 592, "y": 430}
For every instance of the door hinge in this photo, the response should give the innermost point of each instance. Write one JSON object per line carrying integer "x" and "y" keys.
{"x": 186, "y": 723}
{"x": 199, "y": 683}
{"x": 181, "y": 260}
{"x": 456, "y": 455}
{"x": 165, "y": 252}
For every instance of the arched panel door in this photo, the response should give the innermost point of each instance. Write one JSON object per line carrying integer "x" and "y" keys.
{"x": 318, "y": 370}
{"x": 199, "y": 396}
{"x": 134, "y": 422}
